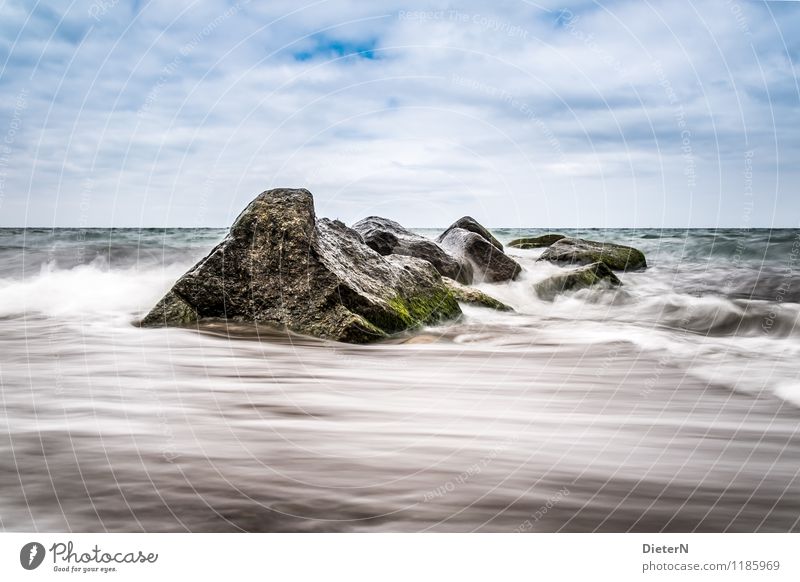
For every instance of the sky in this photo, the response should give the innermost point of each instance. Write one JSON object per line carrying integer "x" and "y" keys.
{"x": 522, "y": 114}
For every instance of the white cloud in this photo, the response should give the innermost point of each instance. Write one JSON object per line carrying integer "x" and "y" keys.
{"x": 517, "y": 115}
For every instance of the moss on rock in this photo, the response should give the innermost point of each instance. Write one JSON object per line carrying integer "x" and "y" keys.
{"x": 281, "y": 266}
{"x": 535, "y": 242}
{"x": 474, "y": 296}
{"x": 582, "y": 278}
{"x": 577, "y": 251}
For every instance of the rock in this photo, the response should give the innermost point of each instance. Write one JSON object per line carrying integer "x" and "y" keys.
{"x": 387, "y": 237}
{"x": 472, "y": 225}
{"x": 581, "y": 278}
{"x": 489, "y": 264}
{"x": 282, "y": 267}
{"x": 578, "y": 251}
{"x": 535, "y": 242}
{"x": 474, "y": 296}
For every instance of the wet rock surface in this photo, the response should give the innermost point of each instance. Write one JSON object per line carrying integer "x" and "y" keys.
{"x": 280, "y": 266}
{"x": 582, "y": 278}
{"x": 470, "y": 224}
{"x": 535, "y": 242}
{"x": 388, "y": 237}
{"x": 474, "y": 296}
{"x": 489, "y": 263}
{"x": 578, "y": 251}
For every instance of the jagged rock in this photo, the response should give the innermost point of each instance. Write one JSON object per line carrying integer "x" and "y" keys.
{"x": 489, "y": 264}
{"x": 535, "y": 242}
{"x": 581, "y": 278}
{"x": 474, "y": 296}
{"x": 472, "y": 225}
{"x": 387, "y": 237}
{"x": 280, "y": 266}
{"x": 577, "y": 251}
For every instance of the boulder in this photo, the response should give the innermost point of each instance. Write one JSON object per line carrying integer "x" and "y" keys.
{"x": 281, "y": 267}
{"x": 472, "y": 225}
{"x": 578, "y": 251}
{"x": 387, "y": 237}
{"x": 581, "y": 278}
{"x": 535, "y": 242}
{"x": 474, "y": 296}
{"x": 489, "y": 263}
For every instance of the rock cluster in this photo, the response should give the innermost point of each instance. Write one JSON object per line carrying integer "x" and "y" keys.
{"x": 281, "y": 266}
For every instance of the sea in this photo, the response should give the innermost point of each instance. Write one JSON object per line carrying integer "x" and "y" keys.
{"x": 671, "y": 403}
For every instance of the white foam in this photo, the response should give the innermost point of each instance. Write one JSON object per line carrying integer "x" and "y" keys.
{"x": 86, "y": 292}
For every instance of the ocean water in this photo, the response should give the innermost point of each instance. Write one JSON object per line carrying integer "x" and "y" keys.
{"x": 671, "y": 404}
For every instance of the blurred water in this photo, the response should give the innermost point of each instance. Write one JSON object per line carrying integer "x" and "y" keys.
{"x": 671, "y": 404}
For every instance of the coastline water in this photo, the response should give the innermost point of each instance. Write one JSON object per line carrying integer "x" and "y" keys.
{"x": 671, "y": 404}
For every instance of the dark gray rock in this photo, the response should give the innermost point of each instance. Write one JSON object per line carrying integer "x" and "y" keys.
{"x": 282, "y": 267}
{"x": 472, "y": 225}
{"x": 535, "y": 242}
{"x": 581, "y": 278}
{"x": 578, "y": 251}
{"x": 387, "y": 237}
{"x": 474, "y": 296}
{"x": 489, "y": 263}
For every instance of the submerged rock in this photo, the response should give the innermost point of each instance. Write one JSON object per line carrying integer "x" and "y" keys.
{"x": 578, "y": 251}
{"x": 535, "y": 242}
{"x": 472, "y": 225}
{"x": 282, "y": 267}
{"x": 387, "y": 237}
{"x": 474, "y": 296}
{"x": 489, "y": 263}
{"x": 581, "y": 278}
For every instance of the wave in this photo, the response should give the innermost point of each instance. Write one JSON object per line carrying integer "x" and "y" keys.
{"x": 86, "y": 292}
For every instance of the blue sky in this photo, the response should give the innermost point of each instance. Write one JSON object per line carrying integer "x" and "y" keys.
{"x": 543, "y": 114}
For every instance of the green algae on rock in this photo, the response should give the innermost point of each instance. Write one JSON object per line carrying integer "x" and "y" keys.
{"x": 280, "y": 266}
{"x": 578, "y": 251}
{"x": 474, "y": 296}
{"x": 535, "y": 242}
{"x": 581, "y": 278}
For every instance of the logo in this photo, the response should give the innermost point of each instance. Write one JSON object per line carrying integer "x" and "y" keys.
{"x": 31, "y": 555}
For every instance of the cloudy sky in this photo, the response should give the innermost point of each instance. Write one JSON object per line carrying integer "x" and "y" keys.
{"x": 637, "y": 114}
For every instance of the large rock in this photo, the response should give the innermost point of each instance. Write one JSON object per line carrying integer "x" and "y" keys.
{"x": 489, "y": 263}
{"x": 472, "y": 225}
{"x": 578, "y": 251}
{"x": 474, "y": 296}
{"x": 581, "y": 278}
{"x": 280, "y": 266}
{"x": 535, "y": 242}
{"x": 387, "y": 237}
